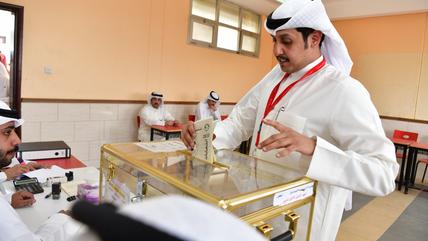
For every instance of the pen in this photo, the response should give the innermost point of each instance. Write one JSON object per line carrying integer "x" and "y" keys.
{"x": 21, "y": 161}
{"x": 47, "y": 196}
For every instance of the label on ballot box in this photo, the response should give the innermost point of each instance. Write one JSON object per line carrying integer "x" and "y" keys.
{"x": 294, "y": 194}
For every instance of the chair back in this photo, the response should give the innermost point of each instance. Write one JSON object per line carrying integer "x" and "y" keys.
{"x": 192, "y": 118}
{"x": 223, "y": 117}
{"x": 406, "y": 135}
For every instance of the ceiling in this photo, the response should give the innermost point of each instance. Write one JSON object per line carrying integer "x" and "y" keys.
{"x": 345, "y": 9}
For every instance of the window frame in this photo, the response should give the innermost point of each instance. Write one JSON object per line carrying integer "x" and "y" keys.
{"x": 215, "y": 24}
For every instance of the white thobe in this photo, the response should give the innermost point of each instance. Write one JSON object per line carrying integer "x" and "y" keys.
{"x": 351, "y": 153}
{"x": 4, "y": 81}
{"x": 152, "y": 116}
{"x": 203, "y": 112}
{"x": 57, "y": 228}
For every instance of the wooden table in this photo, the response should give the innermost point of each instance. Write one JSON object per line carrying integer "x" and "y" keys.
{"x": 414, "y": 148}
{"x": 166, "y": 131}
{"x": 403, "y": 143}
{"x": 66, "y": 163}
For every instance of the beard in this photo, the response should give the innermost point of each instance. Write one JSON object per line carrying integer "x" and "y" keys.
{"x": 4, "y": 160}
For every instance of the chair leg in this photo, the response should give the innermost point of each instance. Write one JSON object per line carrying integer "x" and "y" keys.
{"x": 415, "y": 171}
{"x": 425, "y": 171}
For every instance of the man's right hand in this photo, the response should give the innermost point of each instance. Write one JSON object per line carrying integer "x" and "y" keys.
{"x": 169, "y": 123}
{"x": 188, "y": 135}
{"x": 22, "y": 199}
{"x": 17, "y": 170}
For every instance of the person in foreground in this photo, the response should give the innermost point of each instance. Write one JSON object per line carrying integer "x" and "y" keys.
{"x": 58, "y": 227}
{"x": 309, "y": 113}
{"x": 166, "y": 218}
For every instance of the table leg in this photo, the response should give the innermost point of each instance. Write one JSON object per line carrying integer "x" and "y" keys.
{"x": 167, "y": 136}
{"x": 402, "y": 167}
{"x": 408, "y": 170}
{"x": 414, "y": 171}
{"x": 151, "y": 134}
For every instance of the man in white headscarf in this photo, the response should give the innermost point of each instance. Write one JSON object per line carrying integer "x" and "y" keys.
{"x": 58, "y": 227}
{"x": 154, "y": 113}
{"x": 209, "y": 107}
{"x": 308, "y": 112}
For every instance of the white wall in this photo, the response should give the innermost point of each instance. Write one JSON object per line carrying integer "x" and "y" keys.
{"x": 85, "y": 127}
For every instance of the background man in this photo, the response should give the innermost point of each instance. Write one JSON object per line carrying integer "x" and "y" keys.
{"x": 308, "y": 112}
{"x": 154, "y": 113}
{"x": 209, "y": 107}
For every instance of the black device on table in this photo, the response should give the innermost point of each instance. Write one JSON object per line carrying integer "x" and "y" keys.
{"x": 28, "y": 184}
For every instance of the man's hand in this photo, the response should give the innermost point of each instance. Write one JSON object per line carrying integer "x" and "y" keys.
{"x": 169, "y": 123}
{"x": 66, "y": 212}
{"x": 35, "y": 165}
{"x": 22, "y": 199}
{"x": 188, "y": 135}
{"x": 16, "y": 171}
{"x": 288, "y": 140}
{"x": 177, "y": 123}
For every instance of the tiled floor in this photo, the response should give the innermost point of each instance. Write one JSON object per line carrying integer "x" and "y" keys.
{"x": 392, "y": 218}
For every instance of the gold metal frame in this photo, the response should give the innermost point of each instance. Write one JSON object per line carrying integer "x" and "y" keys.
{"x": 256, "y": 219}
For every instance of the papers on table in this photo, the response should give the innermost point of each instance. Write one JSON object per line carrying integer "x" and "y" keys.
{"x": 43, "y": 174}
{"x": 164, "y": 146}
{"x": 70, "y": 188}
{"x": 203, "y": 142}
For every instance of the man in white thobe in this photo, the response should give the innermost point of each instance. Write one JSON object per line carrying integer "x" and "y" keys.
{"x": 308, "y": 112}
{"x": 209, "y": 107}
{"x": 154, "y": 113}
{"x": 58, "y": 227}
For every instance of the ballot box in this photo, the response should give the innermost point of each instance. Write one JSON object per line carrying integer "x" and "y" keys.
{"x": 266, "y": 195}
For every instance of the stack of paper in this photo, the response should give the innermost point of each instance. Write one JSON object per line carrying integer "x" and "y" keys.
{"x": 163, "y": 146}
{"x": 43, "y": 174}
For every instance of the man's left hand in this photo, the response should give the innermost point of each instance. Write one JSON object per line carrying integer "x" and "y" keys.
{"x": 287, "y": 140}
{"x": 36, "y": 165}
{"x": 22, "y": 199}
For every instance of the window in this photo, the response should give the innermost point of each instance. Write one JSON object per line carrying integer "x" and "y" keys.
{"x": 223, "y": 25}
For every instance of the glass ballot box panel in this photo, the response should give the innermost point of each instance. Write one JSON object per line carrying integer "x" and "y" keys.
{"x": 252, "y": 189}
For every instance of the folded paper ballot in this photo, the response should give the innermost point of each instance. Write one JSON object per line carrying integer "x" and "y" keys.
{"x": 203, "y": 142}
{"x": 43, "y": 174}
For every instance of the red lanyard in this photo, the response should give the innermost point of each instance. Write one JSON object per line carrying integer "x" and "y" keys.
{"x": 272, "y": 101}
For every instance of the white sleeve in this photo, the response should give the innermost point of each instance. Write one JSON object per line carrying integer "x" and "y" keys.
{"x": 59, "y": 227}
{"x": 364, "y": 159}
{"x": 3, "y": 177}
{"x": 239, "y": 125}
{"x": 148, "y": 118}
{"x": 217, "y": 115}
{"x": 12, "y": 228}
{"x": 168, "y": 116}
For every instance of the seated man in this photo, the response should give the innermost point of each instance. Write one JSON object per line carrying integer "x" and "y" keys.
{"x": 209, "y": 107}
{"x": 154, "y": 113}
{"x": 11, "y": 226}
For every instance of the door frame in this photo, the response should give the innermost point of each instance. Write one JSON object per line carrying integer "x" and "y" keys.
{"x": 15, "y": 82}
